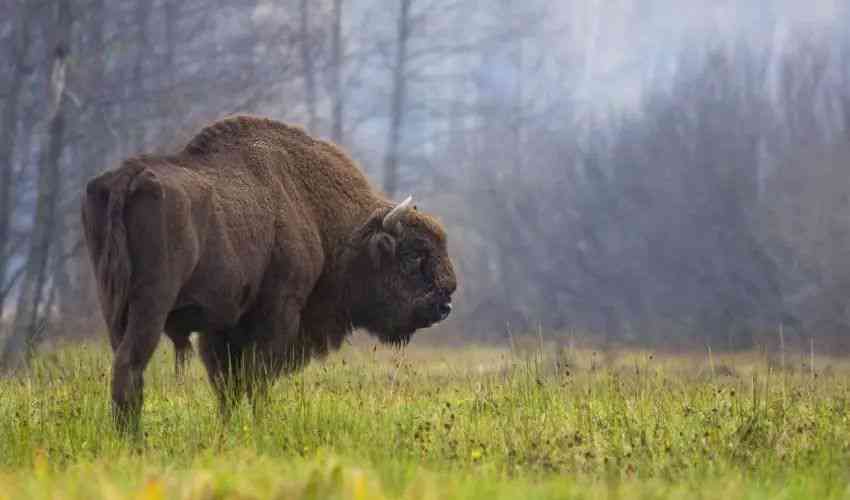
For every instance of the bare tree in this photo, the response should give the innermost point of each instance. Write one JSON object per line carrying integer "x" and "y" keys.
{"x": 337, "y": 61}
{"x": 19, "y": 70}
{"x": 307, "y": 64}
{"x": 397, "y": 106}
{"x": 31, "y": 295}
{"x": 142, "y": 47}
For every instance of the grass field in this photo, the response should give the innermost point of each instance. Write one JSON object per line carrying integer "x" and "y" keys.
{"x": 474, "y": 422}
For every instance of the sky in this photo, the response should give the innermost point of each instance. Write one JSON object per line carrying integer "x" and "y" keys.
{"x": 627, "y": 43}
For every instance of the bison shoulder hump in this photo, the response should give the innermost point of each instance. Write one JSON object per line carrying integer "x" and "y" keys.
{"x": 146, "y": 181}
{"x": 232, "y": 130}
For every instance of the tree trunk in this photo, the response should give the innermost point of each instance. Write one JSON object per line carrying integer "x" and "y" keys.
{"x": 172, "y": 14}
{"x": 391, "y": 162}
{"x": 336, "y": 73}
{"x": 26, "y": 326}
{"x": 137, "y": 88}
{"x": 91, "y": 156}
{"x": 9, "y": 126}
{"x": 169, "y": 104}
{"x": 307, "y": 65}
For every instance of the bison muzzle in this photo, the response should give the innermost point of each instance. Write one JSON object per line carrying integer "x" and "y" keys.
{"x": 268, "y": 243}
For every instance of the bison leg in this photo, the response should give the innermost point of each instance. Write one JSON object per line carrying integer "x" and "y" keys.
{"x": 224, "y": 361}
{"x": 131, "y": 357}
{"x": 251, "y": 377}
{"x": 182, "y": 351}
{"x": 277, "y": 350}
{"x": 158, "y": 263}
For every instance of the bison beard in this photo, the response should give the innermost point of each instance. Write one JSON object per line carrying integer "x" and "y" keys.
{"x": 270, "y": 244}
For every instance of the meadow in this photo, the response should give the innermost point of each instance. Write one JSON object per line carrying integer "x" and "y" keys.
{"x": 537, "y": 419}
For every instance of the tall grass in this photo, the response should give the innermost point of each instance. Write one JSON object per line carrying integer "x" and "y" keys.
{"x": 433, "y": 423}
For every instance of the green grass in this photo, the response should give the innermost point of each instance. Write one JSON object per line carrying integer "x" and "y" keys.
{"x": 426, "y": 423}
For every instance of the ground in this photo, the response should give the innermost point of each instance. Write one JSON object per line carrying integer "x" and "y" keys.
{"x": 540, "y": 420}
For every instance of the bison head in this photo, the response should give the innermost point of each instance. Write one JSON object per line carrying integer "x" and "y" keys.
{"x": 402, "y": 278}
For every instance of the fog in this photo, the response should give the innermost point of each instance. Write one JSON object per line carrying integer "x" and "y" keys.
{"x": 656, "y": 172}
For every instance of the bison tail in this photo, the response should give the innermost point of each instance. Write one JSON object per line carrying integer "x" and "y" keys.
{"x": 106, "y": 236}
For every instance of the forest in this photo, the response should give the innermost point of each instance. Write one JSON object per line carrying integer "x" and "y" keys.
{"x": 633, "y": 172}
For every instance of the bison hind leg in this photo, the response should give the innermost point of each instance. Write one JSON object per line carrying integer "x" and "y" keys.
{"x": 131, "y": 358}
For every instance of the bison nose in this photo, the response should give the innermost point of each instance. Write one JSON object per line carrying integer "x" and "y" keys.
{"x": 445, "y": 310}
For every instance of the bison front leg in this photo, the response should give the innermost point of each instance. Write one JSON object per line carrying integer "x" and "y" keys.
{"x": 258, "y": 381}
{"x": 182, "y": 352}
{"x": 224, "y": 355}
{"x": 278, "y": 349}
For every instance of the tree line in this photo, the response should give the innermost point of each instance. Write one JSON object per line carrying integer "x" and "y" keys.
{"x": 710, "y": 207}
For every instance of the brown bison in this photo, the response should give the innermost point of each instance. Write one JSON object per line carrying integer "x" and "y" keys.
{"x": 269, "y": 243}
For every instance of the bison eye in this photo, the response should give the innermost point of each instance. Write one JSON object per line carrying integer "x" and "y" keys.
{"x": 412, "y": 263}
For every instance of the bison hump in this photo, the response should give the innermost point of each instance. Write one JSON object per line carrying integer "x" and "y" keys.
{"x": 232, "y": 131}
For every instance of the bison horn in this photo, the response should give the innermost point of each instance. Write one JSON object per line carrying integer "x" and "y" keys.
{"x": 392, "y": 218}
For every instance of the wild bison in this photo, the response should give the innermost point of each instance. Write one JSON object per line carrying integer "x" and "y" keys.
{"x": 271, "y": 244}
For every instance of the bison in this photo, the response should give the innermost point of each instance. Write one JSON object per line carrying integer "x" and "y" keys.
{"x": 268, "y": 243}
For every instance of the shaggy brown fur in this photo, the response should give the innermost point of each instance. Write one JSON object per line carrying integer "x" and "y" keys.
{"x": 268, "y": 243}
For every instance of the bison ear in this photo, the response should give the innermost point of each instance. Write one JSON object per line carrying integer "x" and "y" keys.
{"x": 381, "y": 248}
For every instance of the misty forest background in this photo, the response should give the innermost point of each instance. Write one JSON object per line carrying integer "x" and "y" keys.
{"x": 646, "y": 172}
